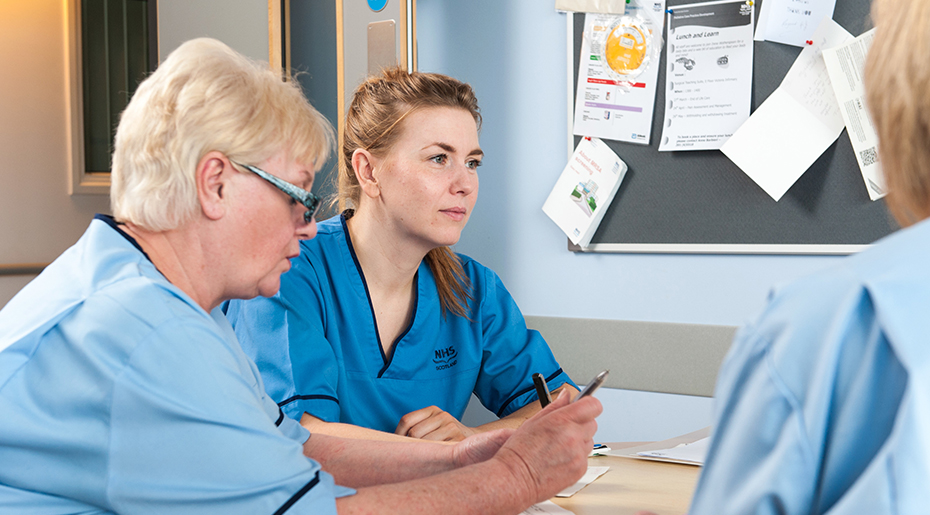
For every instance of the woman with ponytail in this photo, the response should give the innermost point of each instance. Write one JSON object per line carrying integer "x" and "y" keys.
{"x": 380, "y": 325}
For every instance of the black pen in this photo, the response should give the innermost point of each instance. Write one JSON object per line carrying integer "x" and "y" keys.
{"x": 542, "y": 390}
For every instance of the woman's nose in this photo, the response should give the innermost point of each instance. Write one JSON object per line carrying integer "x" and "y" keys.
{"x": 306, "y": 230}
{"x": 466, "y": 181}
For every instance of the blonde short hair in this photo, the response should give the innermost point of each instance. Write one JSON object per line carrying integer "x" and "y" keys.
{"x": 205, "y": 97}
{"x": 897, "y": 80}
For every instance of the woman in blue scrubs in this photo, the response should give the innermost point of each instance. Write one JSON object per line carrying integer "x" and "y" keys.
{"x": 122, "y": 386}
{"x": 380, "y": 325}
{"x": 822, "y": 404}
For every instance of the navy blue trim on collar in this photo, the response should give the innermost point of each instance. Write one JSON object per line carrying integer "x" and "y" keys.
{"x": 109, "y": 220}
{"x": 300, "y": 493}
{"x": 277, "y": 423}
{"x": 416, "y": 300}
{"x": 525, "y": 390}
{"x": 416, "y": 306}
{"x": 289, "y": 400}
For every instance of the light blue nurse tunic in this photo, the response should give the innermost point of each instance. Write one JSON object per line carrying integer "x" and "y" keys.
{"x": 119, "y": 394}
{"x": 823, "y": 404}
{"x": 316, "y": 343}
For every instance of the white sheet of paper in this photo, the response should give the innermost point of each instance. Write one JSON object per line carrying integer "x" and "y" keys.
{"x": 588, "y": 478}
{"x": 796, "y": 124}
{"x": 762, "y": 21}
{"x": 694, "y": 452}
{"x": 603, "y": 108}
{"x": 709, "y": 74}
{"x": 545, "y": 507}
{"x": 845, "y": 65}
{"x": 792, "y": 22}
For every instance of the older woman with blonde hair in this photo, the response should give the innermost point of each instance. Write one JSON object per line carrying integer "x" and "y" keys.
{"x": 380, "y": 327}
{"x": 822, "y": 403}
{"x": 122, "y": 386}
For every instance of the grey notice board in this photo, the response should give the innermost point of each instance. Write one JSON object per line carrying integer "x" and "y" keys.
{"x": 701, "y": 202}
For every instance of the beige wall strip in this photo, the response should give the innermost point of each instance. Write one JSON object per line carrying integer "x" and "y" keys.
{"x": 647, "y": 356}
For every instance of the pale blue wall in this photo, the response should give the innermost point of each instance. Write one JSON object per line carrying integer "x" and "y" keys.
{"x": 514, "y": 53}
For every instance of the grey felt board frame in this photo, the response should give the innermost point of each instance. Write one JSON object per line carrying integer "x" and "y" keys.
{"x": 701, "y": 202}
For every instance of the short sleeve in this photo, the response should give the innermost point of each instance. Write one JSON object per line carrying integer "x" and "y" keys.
{"x": 512, "y": 352}
{"x": 189, "y": 435}
{"x": 759, "y": 449}
{"x": 805, "y": 399}
{"x": 284, "y": 335}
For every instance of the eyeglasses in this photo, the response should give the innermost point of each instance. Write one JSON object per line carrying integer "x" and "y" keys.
{"x": 309, "y": 200}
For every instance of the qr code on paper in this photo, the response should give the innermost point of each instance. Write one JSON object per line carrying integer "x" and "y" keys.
{"x": 868, "y": 156}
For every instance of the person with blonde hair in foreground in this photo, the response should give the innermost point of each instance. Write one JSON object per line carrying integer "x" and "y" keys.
{"x": 123, "y": 388}
{"x": 822, "y": 404}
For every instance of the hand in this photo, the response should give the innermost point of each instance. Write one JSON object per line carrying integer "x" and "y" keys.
{"x": 479, "y": 447}
{"x": 550, "y": 450}
{"x": 433, "y": 423}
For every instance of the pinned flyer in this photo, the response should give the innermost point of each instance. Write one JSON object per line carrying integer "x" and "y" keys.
{"x": 845, "y": 65}
{"x": 617, "y": 73}
{"x": 709, "y": 74}
{"x": 796, "y": 124}
{"x": 584, "y": 190}
{"x": 792, "y": 22}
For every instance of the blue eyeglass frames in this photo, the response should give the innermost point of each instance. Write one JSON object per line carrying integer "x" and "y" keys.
{"x": 309, "y": 200}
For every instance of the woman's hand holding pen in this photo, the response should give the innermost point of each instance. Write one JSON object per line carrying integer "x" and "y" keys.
{"x": 550, "y": 450}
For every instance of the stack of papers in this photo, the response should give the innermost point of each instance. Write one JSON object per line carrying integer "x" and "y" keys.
{"x": 553, "y": 508}
{"x": 588, "y": 478}
{"x": 692, "y": 453}
{"x": 545, "y": 507}
{"x": 689, "y": 449}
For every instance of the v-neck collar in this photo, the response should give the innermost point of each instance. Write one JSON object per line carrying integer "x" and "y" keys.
{"x": 387, "y": 360}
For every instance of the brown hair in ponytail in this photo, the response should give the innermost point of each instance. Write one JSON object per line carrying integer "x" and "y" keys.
{"x": 374, "y": 122}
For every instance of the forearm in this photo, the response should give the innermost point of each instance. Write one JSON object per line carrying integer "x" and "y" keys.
{"x": 510, "y": 470}
{"x": 360, "y": 463}
{"x": 491, "y": 488}
{"x": 517, "y": 418}
{"x": 317, "y": 426}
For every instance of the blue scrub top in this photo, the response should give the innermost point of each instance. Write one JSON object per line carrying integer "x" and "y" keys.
{"x": 316, "y": 343}
{"x": 119, "y": 394}
{"x": 823, "y": 403}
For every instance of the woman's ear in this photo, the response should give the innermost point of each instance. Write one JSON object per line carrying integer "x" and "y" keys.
{"x": 363, "y": 163}
{"x": 212, "y": 178}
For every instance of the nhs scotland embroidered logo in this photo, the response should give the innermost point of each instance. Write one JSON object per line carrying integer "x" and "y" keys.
{"x": 445, "y": 358}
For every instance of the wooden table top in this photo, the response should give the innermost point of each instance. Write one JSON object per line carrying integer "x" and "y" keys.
{"x": 632, "y": 485}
